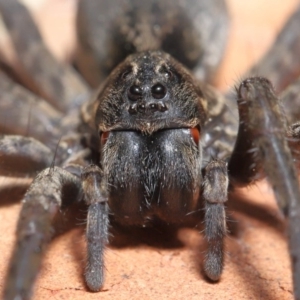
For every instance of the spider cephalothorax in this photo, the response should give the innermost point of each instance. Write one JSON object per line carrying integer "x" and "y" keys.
{"x": 149, "y": 91}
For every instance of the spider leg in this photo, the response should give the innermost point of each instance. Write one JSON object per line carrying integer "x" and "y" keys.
{"x": 218, "y": 140}
{"x": 23, "y": 156}
{"x": 290, "y": 100}
{"x": 39, "y": 70}
{"x": 262, "y": 150}
{"x": 23, "y": 113}
{"x": 52, "y": 189}
{"x": 215, "y": 186}
{"x": 96, "y": 196}
{"x": 125, "y": 24}
{"x": 211, "y": 21}
{"x": 288, "y": 43}
{"x": 294, "y": 142}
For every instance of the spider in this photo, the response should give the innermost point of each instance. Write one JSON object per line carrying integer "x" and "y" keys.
{"x": 30, "y": 163}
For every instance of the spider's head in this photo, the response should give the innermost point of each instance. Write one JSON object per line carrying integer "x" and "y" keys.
{"x": 148, "y": 92}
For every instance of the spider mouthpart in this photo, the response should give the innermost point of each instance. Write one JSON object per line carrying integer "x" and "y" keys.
{"x": 104, "y": 137}
{"x": 195, "y": 134}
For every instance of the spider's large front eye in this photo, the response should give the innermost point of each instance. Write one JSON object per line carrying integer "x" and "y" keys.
{"x": 135, "y": 92}
{"x": 158, "y": 91}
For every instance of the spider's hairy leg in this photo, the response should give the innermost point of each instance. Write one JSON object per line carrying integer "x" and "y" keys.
{"x": 290, "y": 100}
{"x": 25, "y": 156}
{"x": 215, "y": 190}
{"x": 211, "y": 21}
{"x": 218, "y": 140}
{"x": 130, "y": 26}
{"x": 22, "y": 156}
{"x": 37, "y": 68}
{"x": 23, "y": 113}
{"x": 281, "y": 64}
{"x": 294, "y": 142}
{"x": 262, "y": 148}
{"x": 96, "y": 196}
{"x": 261, "y": 140}
{"x": 51, "y": 189}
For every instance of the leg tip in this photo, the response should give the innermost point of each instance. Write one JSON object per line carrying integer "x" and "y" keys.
{"x": 94, "y": 281}
{"x": 212, "y": 276}
{"x": 213, "y": 268}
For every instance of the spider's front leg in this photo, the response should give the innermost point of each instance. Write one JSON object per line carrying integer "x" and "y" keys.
{"x": 96, "y": 196}
{"x": 51, "y": 189}
{"x": 262, "y": 149}
{"x": 215, "y": 186}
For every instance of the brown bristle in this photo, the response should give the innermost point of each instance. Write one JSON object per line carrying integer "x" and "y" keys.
{"x": 195, "y": 133}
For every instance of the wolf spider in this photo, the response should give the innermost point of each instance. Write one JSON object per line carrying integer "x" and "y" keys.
{"x": 68, "y": 161}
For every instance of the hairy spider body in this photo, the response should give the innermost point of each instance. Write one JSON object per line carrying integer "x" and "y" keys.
{"x": 142, "y": 146}
{"x": 150, "y": 129}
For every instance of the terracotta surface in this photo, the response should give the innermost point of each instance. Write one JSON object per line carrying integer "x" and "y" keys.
{"x": 153, "y": 264}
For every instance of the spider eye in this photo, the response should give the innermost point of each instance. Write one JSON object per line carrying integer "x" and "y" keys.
{"x": 168, "y": 74}
{"x": 158, "y": 91}
{"x": 135, "y": 92}
{"x": 126, "y": 73}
